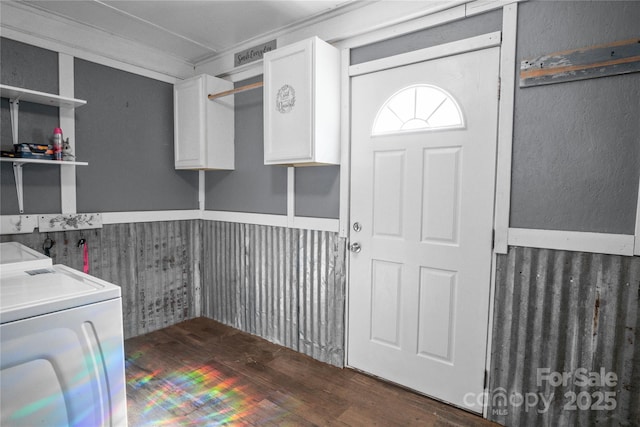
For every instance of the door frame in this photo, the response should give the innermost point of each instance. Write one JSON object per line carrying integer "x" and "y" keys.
{"x": 506, "y": 39}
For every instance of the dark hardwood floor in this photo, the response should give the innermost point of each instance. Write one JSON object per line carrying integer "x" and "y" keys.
{"x": 202, "y": 373}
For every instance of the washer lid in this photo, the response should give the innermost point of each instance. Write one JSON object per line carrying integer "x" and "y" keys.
{"x": 17, "y": 257}
{"x": 32, "y": 293}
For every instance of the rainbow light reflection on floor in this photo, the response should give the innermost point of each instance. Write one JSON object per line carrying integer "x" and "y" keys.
{"x": 192, "y": 396}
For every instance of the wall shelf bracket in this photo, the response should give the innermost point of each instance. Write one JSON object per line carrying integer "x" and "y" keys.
{"x": 14, "y": 107}
{"x": 17, "y": 174}
{"x": 17, "y": 171}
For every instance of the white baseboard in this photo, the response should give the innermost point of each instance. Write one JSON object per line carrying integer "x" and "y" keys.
{"x": 149, "y": 216}
{"x": 18, "y": 224}
{"x": 246, "y": 218}
{"x": 321, "y": 224}
{"x": 21, "y": 224}
{"x": 602, "y": 243}
{"x": 300, "y": 222}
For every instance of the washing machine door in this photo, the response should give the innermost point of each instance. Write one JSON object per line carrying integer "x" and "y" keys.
{"x": 62, "y": 357}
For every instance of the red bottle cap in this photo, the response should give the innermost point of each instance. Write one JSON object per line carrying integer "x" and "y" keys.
{"x": 57, "y": 130}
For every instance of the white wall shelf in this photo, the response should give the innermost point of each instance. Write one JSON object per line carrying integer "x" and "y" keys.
{"x": 17, "y": 172}
{"x": 42, "y": 161}
{"x": 15, "y": 96}
{"x": 28, "y": 95}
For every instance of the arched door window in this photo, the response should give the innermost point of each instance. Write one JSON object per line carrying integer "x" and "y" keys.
{"x": 418, "y": 108}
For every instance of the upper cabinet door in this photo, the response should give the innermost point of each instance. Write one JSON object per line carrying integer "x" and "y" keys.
{"x": 189, "y": 122}
{"x": 203, "y": 129}
{"x": 301, "y": 104}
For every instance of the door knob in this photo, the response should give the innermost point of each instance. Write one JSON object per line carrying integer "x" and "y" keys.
{"x": 355, "y": 247}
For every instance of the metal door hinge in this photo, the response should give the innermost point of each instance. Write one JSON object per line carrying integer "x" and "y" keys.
{"x": 486, "y": 379}
{"x": 499, "y": 88}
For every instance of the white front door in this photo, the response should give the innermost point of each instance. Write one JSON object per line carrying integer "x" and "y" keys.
{"x": 423, "y": 174}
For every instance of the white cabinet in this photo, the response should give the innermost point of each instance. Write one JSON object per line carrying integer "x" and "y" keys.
{"x": 302, "y": 104}
{"x": 203, "y": 129}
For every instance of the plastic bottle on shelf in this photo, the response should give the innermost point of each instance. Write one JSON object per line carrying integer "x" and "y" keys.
{"x": 57, "y": 144}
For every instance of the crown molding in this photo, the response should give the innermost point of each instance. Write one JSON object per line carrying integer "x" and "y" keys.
{"x": 345, "y": 23}
{"x": 33, "y": 26}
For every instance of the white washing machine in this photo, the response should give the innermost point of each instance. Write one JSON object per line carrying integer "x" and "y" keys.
{"x": 62, "y": 352}
{"x": 15, "y": 256}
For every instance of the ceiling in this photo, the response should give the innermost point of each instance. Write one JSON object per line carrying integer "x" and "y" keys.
{"x": 193, "y": 31}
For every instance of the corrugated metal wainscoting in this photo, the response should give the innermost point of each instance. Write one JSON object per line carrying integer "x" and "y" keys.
{"x": 156, "y": 264}
{"x": 285, "y": 285}
{"x": 562, "y": 319}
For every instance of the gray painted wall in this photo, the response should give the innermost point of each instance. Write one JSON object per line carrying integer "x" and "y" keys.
{"x": 125, "y": 132}
{"x": 317, "y": 192}
{"x": 470, "y": 27}
{"x": 28, "y": 66}
{"x": 576, "y": 149}
{"x": 34, "y": 68}
{"x": 256, "y": 188}
{"x": 252, "y": 186}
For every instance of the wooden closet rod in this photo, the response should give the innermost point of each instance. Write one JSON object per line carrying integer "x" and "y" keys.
{"x": 236, "y": 90}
